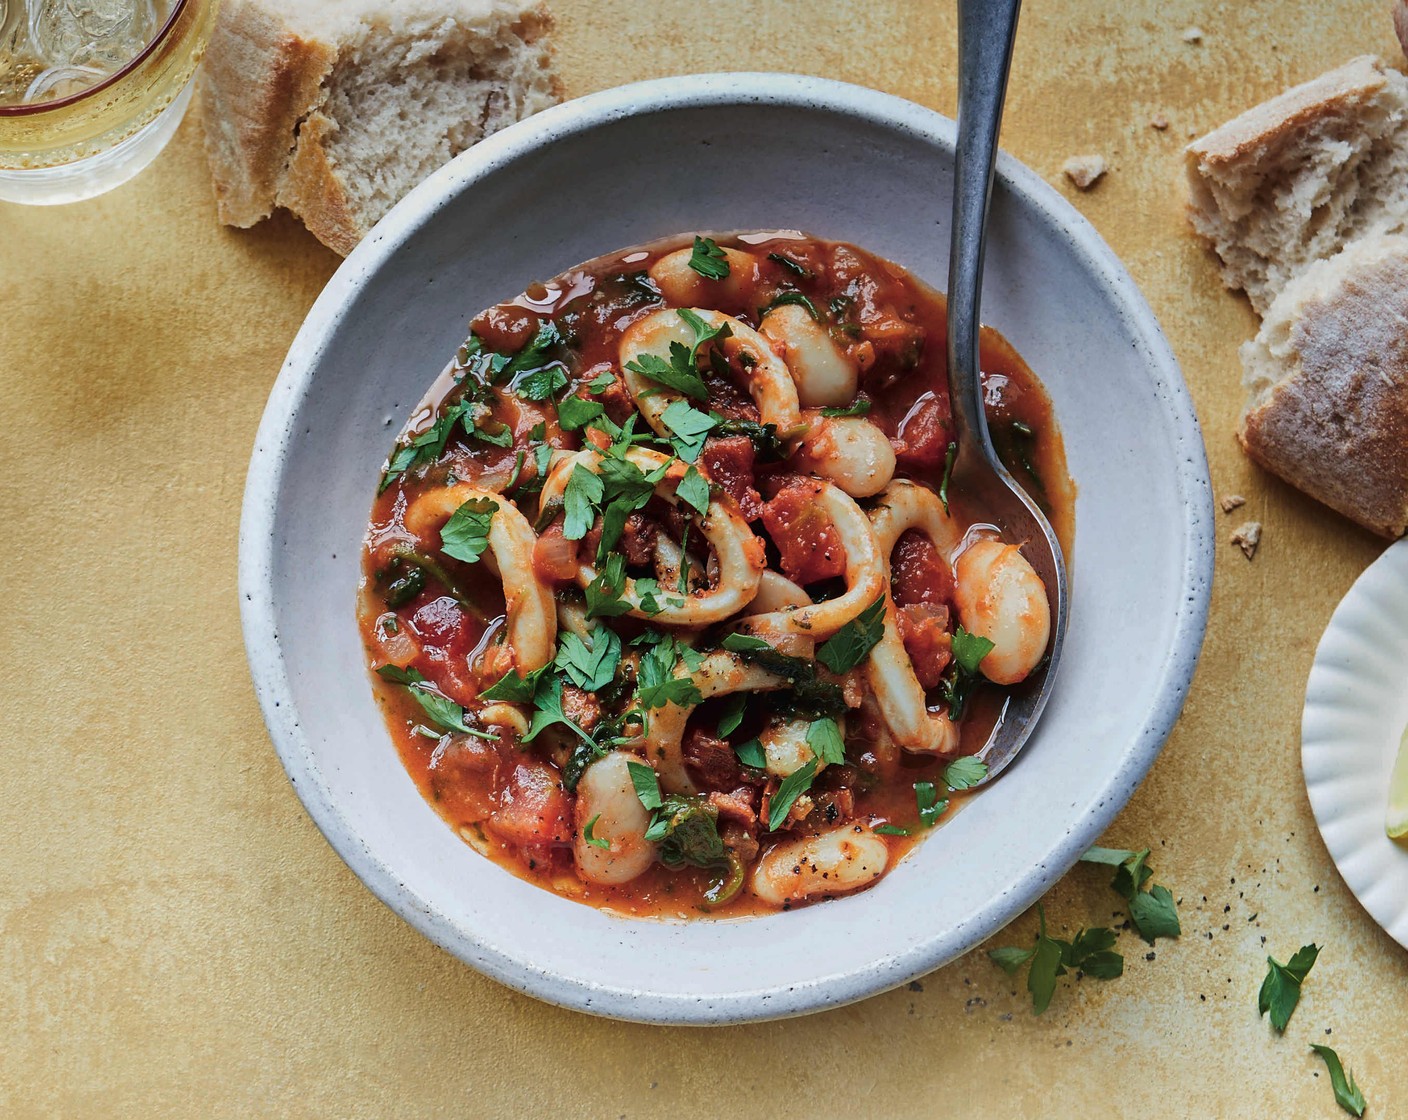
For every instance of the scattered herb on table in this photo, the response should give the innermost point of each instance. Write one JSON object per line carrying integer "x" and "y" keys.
{"x": 1347, "y": 1094}
{"x": 1153, "y": 911}
{"x": 1091, "y": 952}
{"x": 1280, "y": 991}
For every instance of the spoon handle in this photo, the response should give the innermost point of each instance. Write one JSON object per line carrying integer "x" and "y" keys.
{"x": 986, "y": 30}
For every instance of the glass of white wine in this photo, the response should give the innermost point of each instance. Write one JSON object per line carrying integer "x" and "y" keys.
{"x": 91, "y": 90}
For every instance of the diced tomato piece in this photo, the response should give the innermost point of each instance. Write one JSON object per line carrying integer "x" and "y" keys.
{"x": 534, "y": 810}
{"x": 807, "y": 542}
{"x": 924, "y": 631}
{"x": 728, "y": 463}
{"x": 554, "y": 556}
{"x": 918, "y": 573}
{"x": 505, "y": 328}
{"x": 924, "y": 434}
{"x": 615, "y": 398}
{"x": 581, "y": 707}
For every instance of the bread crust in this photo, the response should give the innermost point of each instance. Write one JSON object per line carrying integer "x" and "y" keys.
{"x": 1285, "y": 116}
{"x": 1336, "y": 426}
{"x": 268, "y": 124}
{"x": 259, "y": 80}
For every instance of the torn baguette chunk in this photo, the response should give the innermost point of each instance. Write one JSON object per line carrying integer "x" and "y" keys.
{"x": 334, "y": 109}
{"x": 1328, "y": 381}
{"x": 1296, "y": 178}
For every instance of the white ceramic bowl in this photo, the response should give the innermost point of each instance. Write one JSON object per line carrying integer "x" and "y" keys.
{"x": 625, "y": 166}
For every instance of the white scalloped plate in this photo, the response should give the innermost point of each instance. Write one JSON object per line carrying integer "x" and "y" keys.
{"x": 1356, "y": 706}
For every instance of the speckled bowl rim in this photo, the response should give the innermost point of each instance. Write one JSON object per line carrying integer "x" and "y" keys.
{"x": 257, "y": 547}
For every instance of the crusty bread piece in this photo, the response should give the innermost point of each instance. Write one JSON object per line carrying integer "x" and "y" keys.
{"x": 334, "y": 109}
{"x": 1328, "y": 381}
{"x": 1298, "y": 177}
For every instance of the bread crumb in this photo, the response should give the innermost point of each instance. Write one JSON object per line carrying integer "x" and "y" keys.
{"x": 1192, "y": 34}
{"x": 1247, "y": 538}
{"x": 1083, "y": 171}
{"x": 1159, "y": 121}
{"x": 1231, "y": 502}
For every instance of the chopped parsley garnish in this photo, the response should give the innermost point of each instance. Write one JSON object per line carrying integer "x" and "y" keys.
{"x": 858, "y": 407}
{"x": 658, "y": 684}
{"x": 591, "y": 667}
{"x": 547, "y": 710}
{"x": 690, "y": 427}
{"x": 426, "y": 447}
{"x": 542, "y": 384}
{"x": 444, "y": 711}
{"x": 602, "y": 381}
{"x": 752, "y": 754}
{"x": 931, "y": 806}
{"x": 1153, "y": 911}
{"x": 965, "y": 772}
{"x": 1091, "y": 951}
{"x": 891, "y": 830}
{"x": 465, "y": 535}
{"x": 852, "y": 644}
{"x": 574, "y": 413}
{"x": 536, "y": 354}
{"x": 963, "y": 676}
{"x": 1280, "y": 991}
{"x": 707, "y": 259}
{"x": 693, "y": 490}
{"x": 824, "y": 738}
{"x": 681, "y": 372}
{"x": 1347, "y": 1094}
{"x": 733, "y": 714}
{"x": 792, "y": 787}
{"x": 767, "y": 446}
{"x": 514, "y": 687}
{"x": 646, "y": 785}
{"x": 686, "y": 828}
{"x": 580, "y": 500}
{"x": 784, "y": 298}
{"x": 792, "y": 266}
{"x": 592, "y": 839}
{"x": 605, "y": 591}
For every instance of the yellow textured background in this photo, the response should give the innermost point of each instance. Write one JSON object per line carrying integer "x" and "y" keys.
{"x": 176, "y": 939}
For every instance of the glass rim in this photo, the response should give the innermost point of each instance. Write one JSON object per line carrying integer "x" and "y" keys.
{"x": 116, "y": 76}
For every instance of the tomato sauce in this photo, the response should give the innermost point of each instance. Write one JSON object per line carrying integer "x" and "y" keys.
{"x": 435, "y": 625}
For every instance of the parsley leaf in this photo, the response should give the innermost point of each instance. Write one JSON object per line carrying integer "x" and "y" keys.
{"x": 426, "y": 447}
{"x": 693, "y": 490}
{"x": 965, "y": 772}
{"x": 751, "y": 754}
{"x": 647, "y": 786}
{"x": 891, "y": 830}
{"x": 733, "y": 714}
{"x": 810, "y": 697}
{"x": 1280, "y": 991}
{"x": 1153, "y": 912}
{"x": 1091, "y": 951}
{"x": 466, "y": 535}
{"x": 792, "y": 787}
{"x": 766, "y": 444}
{"x": 678, "y": 373}
{"x": 707, "y": 259}
{"x": 547, "y": 700}
{"x": 931, "y": 808}
{"x": 1010, "y": 958}
{"x": 858, "y": 407}
{"x": 1347, "y": 1094}
{"x": 593, "y": 840}
{"x": 783, "y": 298}
{"x": 604, "y": 592}
{"x": 958, "y": 684}
{"x": 688, "y": 832}
{"x": 542, "y": 384}
{"x": 658, "y": 684}
{"x": 514, "y": 687}
{"x": 824, "y": 738}
{"x": 444, "y": 711}
{"x": 743, "y": 643}
{"x": 589, "y": 667}
{"x": 577, "y": 412}
{"x": 579, "y": 501}
{"x": 852, "y": 644}
{"x": 535, "y": 354}
{"x": 792, "y": 266}
{"x": 690, "y": 427}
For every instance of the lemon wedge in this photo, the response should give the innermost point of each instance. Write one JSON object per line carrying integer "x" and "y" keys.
{"x": 1397, "y": 823}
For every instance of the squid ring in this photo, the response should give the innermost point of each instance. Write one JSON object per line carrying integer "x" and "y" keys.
{"x": 532, "y": 615}
{"x": 769, "y": 381}
{"x": 865, "y": 570}
{"x": 719, "y": 674}
{"x": 740, "y": 553}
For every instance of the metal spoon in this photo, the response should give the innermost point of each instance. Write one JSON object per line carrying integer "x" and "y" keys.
{"x": 986, "y": 30}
